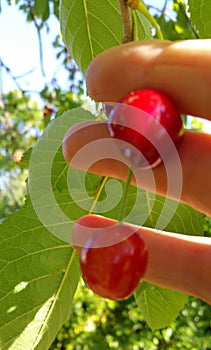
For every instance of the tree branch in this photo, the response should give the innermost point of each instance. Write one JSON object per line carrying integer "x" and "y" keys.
{"x": 127, "y": 22}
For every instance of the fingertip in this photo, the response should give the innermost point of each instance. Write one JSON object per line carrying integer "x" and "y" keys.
{"x": 180, "y": 69}
{"x": 104, "y": 76}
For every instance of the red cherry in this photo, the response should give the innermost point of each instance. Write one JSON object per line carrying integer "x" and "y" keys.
{"x": 47, "y": 111}
{"x": 87, "y": 226}
{"x": 147, "y": 120}
{"x": 113, "y": 261}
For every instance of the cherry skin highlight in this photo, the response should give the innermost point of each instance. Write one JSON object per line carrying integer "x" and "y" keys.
{"x": 147, "y": 121}
{"x": 113, "y": 261}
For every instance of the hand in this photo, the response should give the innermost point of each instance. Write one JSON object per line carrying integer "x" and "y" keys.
{"x": 182, "y": 71}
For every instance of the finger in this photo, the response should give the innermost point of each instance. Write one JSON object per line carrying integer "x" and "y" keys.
{"x": 88, "y": 146}
{"x": 169, "y": 257}
{"x": 179, "y": 69}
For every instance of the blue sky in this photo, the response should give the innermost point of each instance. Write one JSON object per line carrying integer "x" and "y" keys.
{"x": 19, "y": 49}
{"x": 20, "y": 52}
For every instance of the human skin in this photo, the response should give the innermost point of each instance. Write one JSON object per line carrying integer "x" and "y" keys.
{"x": 182, "y": 71}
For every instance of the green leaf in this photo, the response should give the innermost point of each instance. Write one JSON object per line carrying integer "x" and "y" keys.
{"x": 41, "y": 9}
{"x": 151, "y": 210}
{"x": 26, "y": 158}
{"x": 172, "y": 216}
{"x": 159, "y": 306}
{"x": 48, "y": 172}
{"x": 141, "y": 26}
{"x": 92, "y": 26}
{"x": 39, "y": 276}
{"x": 200, "y": 11}
{"x": 56, "y": 8}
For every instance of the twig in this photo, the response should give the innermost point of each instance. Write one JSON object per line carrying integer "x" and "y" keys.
{"x": 40, "y": 48}
{"x": 9, "y": 72}
{"x": 164, "y": 6}
{"x": 126, "y": 21}
{"x": 24, "y": 74}
{"x": 39, "y": 38}
{"x": 163, "y": 12}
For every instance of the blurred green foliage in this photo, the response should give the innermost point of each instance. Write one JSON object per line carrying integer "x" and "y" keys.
{"x": 176, "y": 24}
{"x": 103, "y": 324}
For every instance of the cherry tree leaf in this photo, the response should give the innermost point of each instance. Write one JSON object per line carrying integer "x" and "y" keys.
{"x": 200, "y": 16}
{"x": 142, "y": 26}
{"x": 39, "y": 272}
{"x": 41, "y": 9}
{"x": 39, "y": 275}
{"x": 152, "y": 210}
{"x": 159, "y": 306}
{"x": 170, "y": 215}
{"x": 92, "y": 26}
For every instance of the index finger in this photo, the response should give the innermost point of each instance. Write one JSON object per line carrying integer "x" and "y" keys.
{"x": 179, "y": 69}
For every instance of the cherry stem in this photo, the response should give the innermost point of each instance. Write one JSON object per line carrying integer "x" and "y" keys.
{"x": 98, "y": 193}
{"x": 125, "y": 196}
